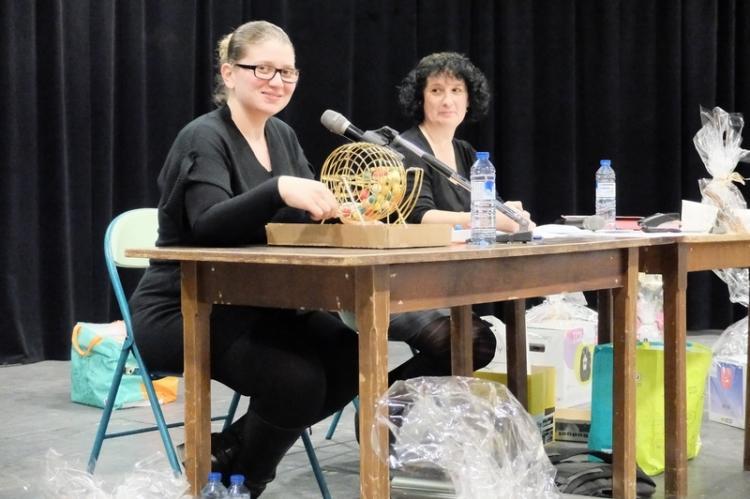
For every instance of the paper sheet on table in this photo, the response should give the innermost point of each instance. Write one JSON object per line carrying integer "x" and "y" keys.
{"x": 550, "y": 231}
{"x": 562, "y": 231}
{"x": 559, "y": 231}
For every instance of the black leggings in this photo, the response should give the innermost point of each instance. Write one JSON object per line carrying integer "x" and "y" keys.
{"x": 429, "y": 334}
{"x": 296, "y": 367}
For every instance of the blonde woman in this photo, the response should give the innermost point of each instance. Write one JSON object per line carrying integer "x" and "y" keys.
{"x": 228, "y": 173}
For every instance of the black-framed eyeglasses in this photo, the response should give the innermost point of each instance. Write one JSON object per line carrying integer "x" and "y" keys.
{"x": 266, "y": 72}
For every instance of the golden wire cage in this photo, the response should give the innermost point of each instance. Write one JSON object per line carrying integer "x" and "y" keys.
{"x": 370, "y": 183}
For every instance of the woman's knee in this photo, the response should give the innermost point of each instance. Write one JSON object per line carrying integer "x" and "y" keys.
{"x": 485, "y": 343}
{"x": 435, "y": 340}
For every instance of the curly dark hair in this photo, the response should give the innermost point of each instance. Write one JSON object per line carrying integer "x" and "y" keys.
{"x": 411, "y": 89}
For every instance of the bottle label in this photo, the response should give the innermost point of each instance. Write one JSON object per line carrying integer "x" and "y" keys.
{"x": 605, "y": 190}
{"x": 483, "y": 190}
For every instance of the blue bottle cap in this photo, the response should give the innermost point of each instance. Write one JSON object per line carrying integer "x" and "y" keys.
{"x": 605, "y": 162}
{"x": 214, "y": 476}
{"x": 483, "y": 155}
{"x": 237, "y": 479}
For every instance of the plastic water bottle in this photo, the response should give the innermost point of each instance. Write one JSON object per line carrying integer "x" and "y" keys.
{"x": 214, "y": 489}
{"x": 237, "y": 489}
{"x": 606, "y": 193}
{"x": 482, "y": 201}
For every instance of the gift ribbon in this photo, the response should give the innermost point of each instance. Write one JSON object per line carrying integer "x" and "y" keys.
{"x": 732, "y": 177}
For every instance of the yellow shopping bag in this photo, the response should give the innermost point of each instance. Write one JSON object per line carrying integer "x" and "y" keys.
{"x": 649, "y": 401}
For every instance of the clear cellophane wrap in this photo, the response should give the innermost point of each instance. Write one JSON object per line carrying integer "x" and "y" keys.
{"x": 718, "y": 144}
{"x": 472, "y": 430}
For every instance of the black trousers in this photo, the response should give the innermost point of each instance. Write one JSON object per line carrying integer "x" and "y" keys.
{"x": 428, "y": 333}
{"x": 297, "y": 367}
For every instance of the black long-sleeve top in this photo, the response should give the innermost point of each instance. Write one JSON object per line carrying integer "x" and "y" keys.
{"x": 213, "y": 189}
{"x": 438, "y": 193}
{"x": 214, "y": 192}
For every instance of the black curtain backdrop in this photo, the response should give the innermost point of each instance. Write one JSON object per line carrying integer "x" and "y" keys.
{"x": 94, "y": 91}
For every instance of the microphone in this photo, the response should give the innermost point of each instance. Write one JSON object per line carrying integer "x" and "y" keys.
{"x": 338, "y": 124}
{"x": 386, "y": 136}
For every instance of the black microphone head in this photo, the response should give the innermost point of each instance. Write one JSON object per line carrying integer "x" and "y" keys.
{"x": 334, "y": 122}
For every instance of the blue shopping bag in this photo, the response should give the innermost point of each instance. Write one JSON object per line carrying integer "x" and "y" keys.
{"x": 95, "y": 350}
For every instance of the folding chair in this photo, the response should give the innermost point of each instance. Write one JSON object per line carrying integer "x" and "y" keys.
{"x": 138, "y": 228}
{"x": 337, "y": 416}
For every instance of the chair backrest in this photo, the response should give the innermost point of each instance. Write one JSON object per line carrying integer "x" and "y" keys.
{"x": 136, "y": 228}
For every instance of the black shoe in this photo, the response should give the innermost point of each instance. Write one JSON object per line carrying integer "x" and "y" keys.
{"x": 224, "y": 449}
{"x": 263, "y": 446}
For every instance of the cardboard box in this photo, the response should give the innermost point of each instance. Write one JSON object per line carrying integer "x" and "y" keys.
{"x": 572, "y": 424}
{"x": 566, "y": 345}
{"x": 726, "y": 391}
{"x": 380, "y": 236}
{"x": 569, "y": 346}
{"x": 540, "y": 386}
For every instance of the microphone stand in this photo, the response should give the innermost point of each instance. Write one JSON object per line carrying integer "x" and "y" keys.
{"x": 521, "y": 235}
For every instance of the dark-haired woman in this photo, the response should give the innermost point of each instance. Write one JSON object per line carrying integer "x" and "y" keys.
{"x": 438, "y": 95}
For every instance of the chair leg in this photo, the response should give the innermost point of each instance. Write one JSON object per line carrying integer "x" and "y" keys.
{"x": 337, "y": 417}
{"x": 158, "y": 415}
{"x": 315, "y": 465}
{"x": 101, "y": 431}
{"x": 334, "y": 423}
{"x": 232, "y": 410}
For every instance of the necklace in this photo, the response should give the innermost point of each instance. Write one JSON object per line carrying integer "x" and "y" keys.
{"x": 443, "y": 152}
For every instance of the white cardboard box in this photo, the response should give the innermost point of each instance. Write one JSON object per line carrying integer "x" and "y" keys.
{"x": 569, "y": 346}
{"x": 566, "y": 345}
{"x": 726, "y": 391}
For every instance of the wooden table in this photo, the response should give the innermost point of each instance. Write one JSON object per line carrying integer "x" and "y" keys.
{"x": 689, "y": 253}
{"x": 376, "y": 283}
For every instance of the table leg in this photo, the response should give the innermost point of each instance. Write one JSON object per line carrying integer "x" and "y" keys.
{"x": 196, "y": 321}
{"x": 514, "y": 316}
{"x": 372, "y": 309}
{"x": 623, "y": 431}
{"x": 675, "y": 377}
{"x": 462, "y": 354}
{"x": 604, "y": 306}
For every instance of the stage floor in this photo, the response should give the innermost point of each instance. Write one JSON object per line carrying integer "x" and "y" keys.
{"x": 37, "y": 416}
